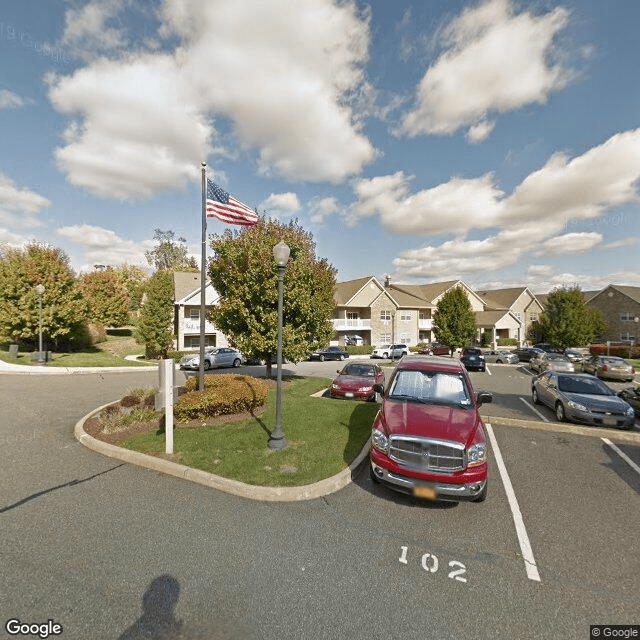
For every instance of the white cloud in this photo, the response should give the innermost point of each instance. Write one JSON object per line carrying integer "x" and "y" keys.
{"x": 10, "y": 100}
{"x": 280, "y": 204}
{"x": 480, "y": 132}
{"x": 321, "y": 209}
{"x": 103, "y": 246}
{"x": 18, "y": 207}
{"x": 619, "y": 244}
{"x": 91, "y": 30}
{"x": 494, "y": 61}
{"x": 571, "y": 243}
{"x": 142, "y": 123}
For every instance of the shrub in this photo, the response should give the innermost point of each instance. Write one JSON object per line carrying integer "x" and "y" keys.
{"x": 130, "y": 401}
{"x": 620, "y": 350}
{"x": 507, "y": 342}
{"x": 176, "y": 355}
{"x": 223, "y": 394}
{"x": 359, "y": 350}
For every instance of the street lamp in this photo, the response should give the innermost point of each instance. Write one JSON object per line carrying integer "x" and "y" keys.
{"x": 40, "y": 291}
{"x": 281, "y": 256}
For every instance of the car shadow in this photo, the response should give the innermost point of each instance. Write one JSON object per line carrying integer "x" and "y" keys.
{"x": 620, "y": 467}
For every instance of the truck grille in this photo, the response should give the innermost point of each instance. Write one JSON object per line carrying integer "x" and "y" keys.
{"x": 427, "y": 454}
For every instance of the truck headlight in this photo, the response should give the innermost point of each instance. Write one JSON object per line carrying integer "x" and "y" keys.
{"x": 476, "y": 454}
{"x": 380, "y": 440}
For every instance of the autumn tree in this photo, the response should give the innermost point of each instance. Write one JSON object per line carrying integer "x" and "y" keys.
{"x": 153, "y": 328}
{"x": 245, "y": 276}
{"x": 64, "y": 310}
{"x": 455, "y": 324}
{"x": 170, "y": 253}
{"x": 567, "y": 321}
{"x": 107, "y": 298}
{"x": 134, "y": 280}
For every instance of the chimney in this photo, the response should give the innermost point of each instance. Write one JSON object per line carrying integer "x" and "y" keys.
{"x": 387, "y": 280}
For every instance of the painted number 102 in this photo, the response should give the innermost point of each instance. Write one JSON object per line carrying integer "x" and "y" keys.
{"x": 430, "y": 563}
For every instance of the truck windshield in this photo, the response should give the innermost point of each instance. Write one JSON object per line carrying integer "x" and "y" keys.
{"x": 430, "y": 387}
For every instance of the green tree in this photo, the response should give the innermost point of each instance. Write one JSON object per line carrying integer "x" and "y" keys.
{"x": 153, "y": 328}
{"x": 170, "y": 253}
{"x": 63, "y": 306}
{"x": 244, "y": 274}
{"x": 107, "y": 298}
{"x": 567, "y": 321}
{"x": 134, "y": 279}
{"x": 455, "y": 324}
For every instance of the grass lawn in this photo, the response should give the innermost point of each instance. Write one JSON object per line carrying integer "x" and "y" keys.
{"x": 324, "y": 437}
{"x": 119, "y": 343}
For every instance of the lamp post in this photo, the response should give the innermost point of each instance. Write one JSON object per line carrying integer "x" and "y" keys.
{"x": 281, "y": 256}
{"x": 40, "y": 291}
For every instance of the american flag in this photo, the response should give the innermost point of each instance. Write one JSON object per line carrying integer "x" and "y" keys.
{"x": 226, "y": 208}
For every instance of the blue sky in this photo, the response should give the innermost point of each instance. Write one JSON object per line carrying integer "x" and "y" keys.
{"x": 497, "y": 142}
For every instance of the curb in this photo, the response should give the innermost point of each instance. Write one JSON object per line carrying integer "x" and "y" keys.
{"x": 28, "y": 370}
{"x": 234, "y": 487}
{"x": 631, "y": 437}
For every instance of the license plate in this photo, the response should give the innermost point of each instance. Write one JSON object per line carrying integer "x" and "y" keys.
{"x": 610, "y": 421}
{"x": 348, "y": 394}
{"x": 428, "y": 493}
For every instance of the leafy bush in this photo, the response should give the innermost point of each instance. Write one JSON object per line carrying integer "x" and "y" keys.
{"x": 620, "y": 350}
{"x": 176, "y": 355}
{"x": 222, "y": 394}
{"x": 359, "y": 350}
{"x": 507, "y": 342}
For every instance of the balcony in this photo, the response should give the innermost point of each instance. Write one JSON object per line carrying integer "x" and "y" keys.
{"x": 347, "y": 324}
{"x": 193, "y": 326}
{"x": 425, "y": 324}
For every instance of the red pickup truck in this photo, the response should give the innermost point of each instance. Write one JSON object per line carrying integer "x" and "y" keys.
{"x": 428, "y": 438}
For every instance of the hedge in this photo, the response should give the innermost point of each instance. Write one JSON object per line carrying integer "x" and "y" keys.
{"x": 620, "y": 350}
{"x": 361, "y": 350}
{"x": 223, "y": 394}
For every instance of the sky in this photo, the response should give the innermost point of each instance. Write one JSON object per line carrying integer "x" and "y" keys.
{"x": 495, "y": 142}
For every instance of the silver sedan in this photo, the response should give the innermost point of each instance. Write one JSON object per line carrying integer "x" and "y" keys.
{"x": 213, "y": 357}
{"x": 551, "y": 362}
{"x": 501, "y": 357}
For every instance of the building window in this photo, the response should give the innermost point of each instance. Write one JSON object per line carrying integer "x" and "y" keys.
{"x": 425, "y": 315}
{"x": 405, "y": 315}
{"x": 518, "y": 316}
{"x": 194, "y": 314}
{"x": 627, "y": 336}
{"x": 194, "y": 342}
{"x": 533, "y": 317}
{"x": 626, "y": 317}
{"x": 385, "y": 316}
{"x": 385, "y": 338}
{"x": 353, "y": 315}
{"x": 405, "y": 339}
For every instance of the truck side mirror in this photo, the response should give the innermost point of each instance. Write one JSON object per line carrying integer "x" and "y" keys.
{"x": 484, "y": 398}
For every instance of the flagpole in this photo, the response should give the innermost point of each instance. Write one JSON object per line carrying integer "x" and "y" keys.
{"x": 203, "y": 267}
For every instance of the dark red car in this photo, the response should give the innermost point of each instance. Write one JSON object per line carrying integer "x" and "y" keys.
{"x": 435, "y": 349}
{"x": 428, "y": 438}
{"x": 356, "y": 381}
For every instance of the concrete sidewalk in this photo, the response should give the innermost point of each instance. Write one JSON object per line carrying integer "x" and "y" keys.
{"x": 22, "y": 369}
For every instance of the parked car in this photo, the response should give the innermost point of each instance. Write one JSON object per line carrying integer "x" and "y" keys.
{"x": 356, "y": 381}
{"x": 573, "y": 355}
{"x": 526, "y": 353}
{"x": 390, "y": 351}
{"x": 381, "y": 351}
{"x": 551, "y": 361}
{"x": 501, "y": 357}
{"x": 213, "y": 357}
{"x": 609, "y": 367}
{"x": 354, "y": 341}
{"x": 545, "y": 346}
{"x": 472, "y": 358}
{"x": 579, "y": 397}
{"x": 435, "y": 349}
{"x": 632, "y": 396}
{"x": 428, "y": 438}
{"x": 329, "y": 353}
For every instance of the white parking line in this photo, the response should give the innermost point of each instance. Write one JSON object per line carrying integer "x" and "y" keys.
{"x": 623, "y": 455}
{"x": 488, "y": 370}
{"x": 534, "y": 409}
{"x": 523, "y": 538}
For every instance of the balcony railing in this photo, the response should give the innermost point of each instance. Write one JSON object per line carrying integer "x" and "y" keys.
{"x": 193, "y": 326}
{"x": 426, "y": 323}
{"x": 342, "y": 324}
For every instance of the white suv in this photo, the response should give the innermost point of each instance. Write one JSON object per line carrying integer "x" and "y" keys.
{"x": 390, "y": 351}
